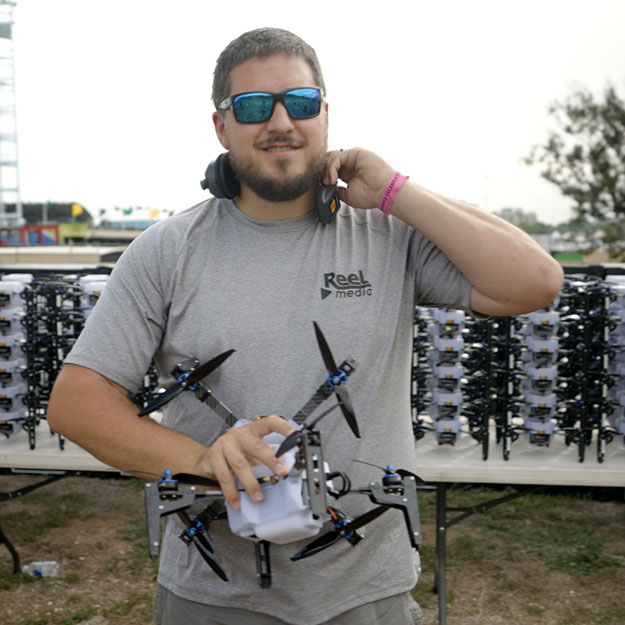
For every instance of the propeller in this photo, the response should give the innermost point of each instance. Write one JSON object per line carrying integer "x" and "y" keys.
{"x": 342, "y": 529}
{"x": 186, "y": 381}
{"x": 195, "y": 480}
{"x": 289, "y": 442}
{"x": 194, "y": 532}
{"x": 337, "y": 379}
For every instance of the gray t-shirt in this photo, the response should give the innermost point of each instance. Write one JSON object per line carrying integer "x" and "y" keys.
{"x": 211, "y": 279}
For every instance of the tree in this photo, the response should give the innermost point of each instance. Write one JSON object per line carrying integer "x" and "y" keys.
{"x": 585, "y": 158}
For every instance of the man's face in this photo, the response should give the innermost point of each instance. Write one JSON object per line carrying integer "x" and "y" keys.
{"x": 282, "y": 158}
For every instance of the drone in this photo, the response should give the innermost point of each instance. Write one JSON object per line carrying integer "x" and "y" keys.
{"x": 294, "y": 507}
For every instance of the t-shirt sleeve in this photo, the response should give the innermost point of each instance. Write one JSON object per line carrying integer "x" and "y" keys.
{"x": 438, "y": 282}
{"x": 126, "y": 326}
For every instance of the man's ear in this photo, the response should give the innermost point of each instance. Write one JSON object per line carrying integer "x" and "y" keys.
{"x": 220, "y": 129}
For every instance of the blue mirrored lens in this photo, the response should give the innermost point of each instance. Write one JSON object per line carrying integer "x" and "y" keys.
{"x": 302, "y": 103}
{"x": 253, "y": 107}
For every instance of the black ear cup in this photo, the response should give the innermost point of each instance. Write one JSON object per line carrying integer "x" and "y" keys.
{"x": 220, "y": 180}
{"x": 327, "y": 203}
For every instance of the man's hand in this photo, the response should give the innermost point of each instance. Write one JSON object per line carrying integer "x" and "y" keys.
{"x": 365, "y": 173}
{"x": 234, "y": 453}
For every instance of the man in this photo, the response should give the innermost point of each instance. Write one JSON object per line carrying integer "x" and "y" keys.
{"x": 252, "y": 275}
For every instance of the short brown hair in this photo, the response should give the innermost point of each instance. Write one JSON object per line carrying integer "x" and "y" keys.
{"x": 259, "y": 43}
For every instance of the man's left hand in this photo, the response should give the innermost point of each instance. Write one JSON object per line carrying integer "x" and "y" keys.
{"x": 365, "y": 173}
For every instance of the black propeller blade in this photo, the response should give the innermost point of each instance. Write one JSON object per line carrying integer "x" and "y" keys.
{"x": 205, "y": 551}
{"x": 171, "y": 393}
{"x": 195, "y": 480}
{"x": 186, "y": 381}
{"x": 317, "y": 545}
{"x": 336, "y": 379}
{"x": 333, "y": 536}
{"x": 365, "y": 518}
{"x": 194, "y": 533}
{"x": 288, "y": 443}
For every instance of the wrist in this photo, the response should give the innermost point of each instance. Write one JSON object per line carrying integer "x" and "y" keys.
{"x": 390, "y": 192}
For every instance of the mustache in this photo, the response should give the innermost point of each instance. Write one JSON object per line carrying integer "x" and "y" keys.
{"x": 278, "y": 139}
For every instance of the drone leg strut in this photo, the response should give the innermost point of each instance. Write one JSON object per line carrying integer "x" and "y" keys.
{"x": 263, "y": 564}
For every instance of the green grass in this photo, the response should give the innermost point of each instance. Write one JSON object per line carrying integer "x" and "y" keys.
{"x": 56, "y": 619}
{"x": 609, "y": 612}
{"x": 138, "y": 603}
{"x": 556, "y": 528}
{"x": 46, "y": 511}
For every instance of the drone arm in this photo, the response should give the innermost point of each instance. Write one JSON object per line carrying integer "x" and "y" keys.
{"x": 204, "y": 394}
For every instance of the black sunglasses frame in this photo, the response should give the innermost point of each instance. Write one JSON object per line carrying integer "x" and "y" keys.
{"x": 275, "y": 98}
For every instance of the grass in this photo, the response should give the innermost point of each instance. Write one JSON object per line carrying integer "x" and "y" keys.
{"x": 46, "y": 511}
{"x": 556, "y": 528}
{"x": 547, "y": 557}
{"x": 54, "y": 619}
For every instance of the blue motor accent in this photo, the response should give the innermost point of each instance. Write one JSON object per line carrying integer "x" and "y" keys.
{"x": 182, "y": 379}
{"x": 167, "y": 479}
{"x": 195, "y": 528}
{"x": 390, "y": 470}
{"x": 335, "y": 380}
{"x": 340, "y": 524}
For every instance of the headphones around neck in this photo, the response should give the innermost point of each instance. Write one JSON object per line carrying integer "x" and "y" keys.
{"x": 221, "y": 181}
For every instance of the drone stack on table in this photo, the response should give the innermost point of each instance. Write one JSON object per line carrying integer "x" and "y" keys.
{"x": 294, "y": 507}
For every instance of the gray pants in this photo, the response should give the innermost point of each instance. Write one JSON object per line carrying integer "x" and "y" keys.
{"x": 169, "y": 609}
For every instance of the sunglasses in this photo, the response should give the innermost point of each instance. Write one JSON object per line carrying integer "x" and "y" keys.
{"x": 255, "y": 107}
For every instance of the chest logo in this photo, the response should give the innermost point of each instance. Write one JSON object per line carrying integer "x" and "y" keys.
{"x": 345, "y": 286}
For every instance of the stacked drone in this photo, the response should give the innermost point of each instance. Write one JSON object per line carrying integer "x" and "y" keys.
{"x": 546, "y": 374}
{"x": 42, "y": 317}
{"x": 616, "y": 364}
{"x": 12, "y": 357}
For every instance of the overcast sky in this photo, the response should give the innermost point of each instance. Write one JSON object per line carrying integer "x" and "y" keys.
{"x": 113, "y": 97}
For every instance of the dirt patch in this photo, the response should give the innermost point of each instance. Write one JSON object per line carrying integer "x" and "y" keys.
{"x": 101, "y": 551}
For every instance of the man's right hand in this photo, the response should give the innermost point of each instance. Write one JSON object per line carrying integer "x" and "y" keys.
{"x": 233, "y": 454}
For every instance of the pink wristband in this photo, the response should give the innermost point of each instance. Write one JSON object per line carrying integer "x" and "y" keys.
{"x": 391, "y": 191}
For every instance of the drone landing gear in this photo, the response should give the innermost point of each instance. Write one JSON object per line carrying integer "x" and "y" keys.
{"x": 263, "y": 563}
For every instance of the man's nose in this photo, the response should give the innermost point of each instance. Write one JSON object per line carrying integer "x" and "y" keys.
{"x": 280, "y": 119}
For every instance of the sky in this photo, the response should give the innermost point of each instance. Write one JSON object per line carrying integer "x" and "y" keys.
{"x": 114, "y": 110}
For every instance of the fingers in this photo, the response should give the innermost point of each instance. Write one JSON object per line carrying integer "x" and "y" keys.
{"x": 233, "y": 454}
{"x": 335, "y": 160}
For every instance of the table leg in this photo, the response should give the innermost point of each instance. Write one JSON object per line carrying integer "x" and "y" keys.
{"x": 441, "y": 529}
{"x": 14, "y": 555}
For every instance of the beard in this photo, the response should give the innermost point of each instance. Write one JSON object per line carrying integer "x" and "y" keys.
{"x": 281, "y": 187}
